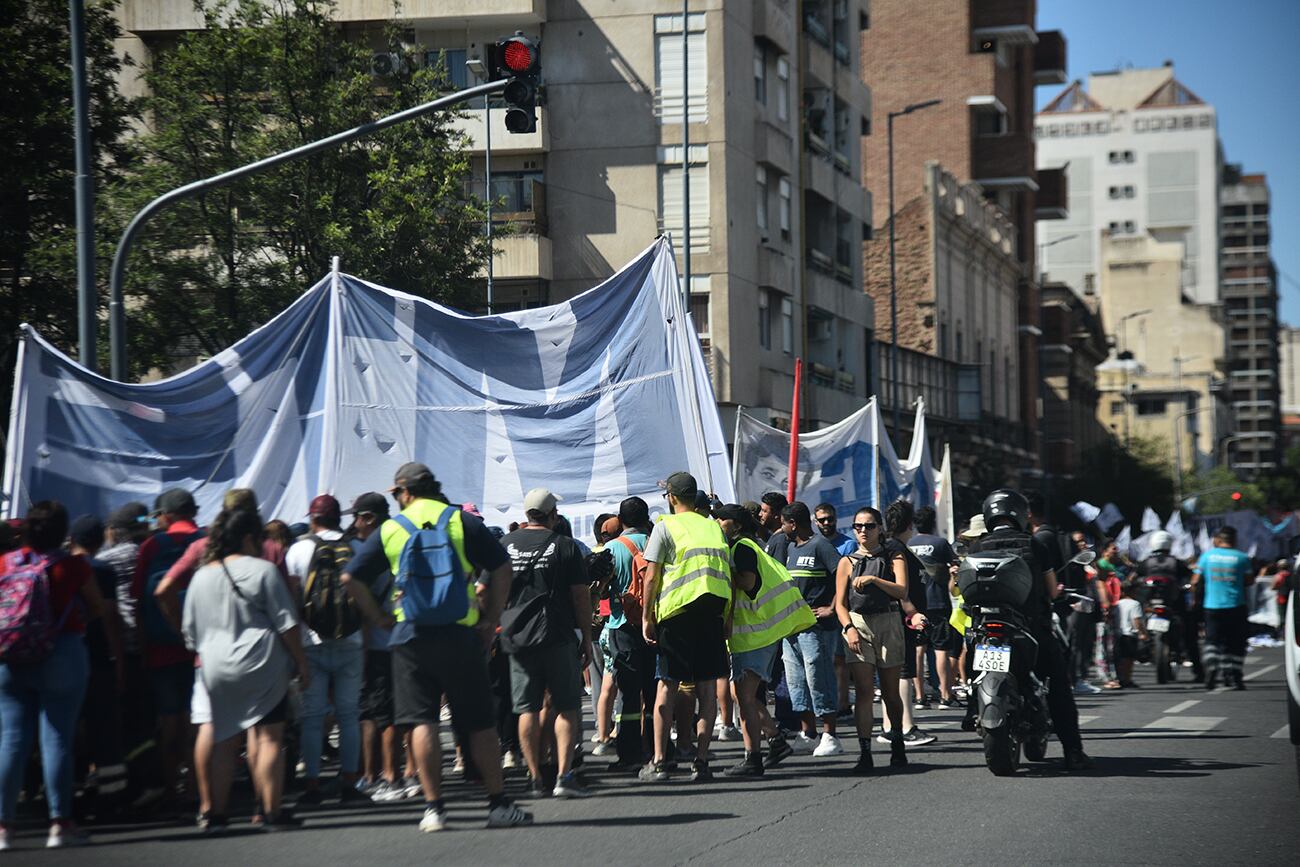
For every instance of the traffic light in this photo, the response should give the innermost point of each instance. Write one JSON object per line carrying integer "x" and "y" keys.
{"x": 1236, "y": 496}
{"x": 518, "y": 58}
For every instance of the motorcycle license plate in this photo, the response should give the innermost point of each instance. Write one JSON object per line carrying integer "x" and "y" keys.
{"x": 1158, "y": 624}
{"x": 989, "y": 657}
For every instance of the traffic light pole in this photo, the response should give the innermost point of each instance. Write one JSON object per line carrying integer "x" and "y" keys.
{"x": 116, "y": 306}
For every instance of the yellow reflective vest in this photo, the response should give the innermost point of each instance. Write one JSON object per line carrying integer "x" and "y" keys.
{"x": 702, "y": 565}
{"x": 777, "y": 610}
{"x": 393, "y": 536}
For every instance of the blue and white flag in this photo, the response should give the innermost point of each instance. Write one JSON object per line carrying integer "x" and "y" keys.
{"x": 919, "y": 474}
{"x": 1109, "y": 517}
{"x": 850, "y": 464}
{"x": 596, "y": 398}
{"x": 1085, "y": 511}
{"x": 1150, "y": 520}
{"x": 1124, "y": 540}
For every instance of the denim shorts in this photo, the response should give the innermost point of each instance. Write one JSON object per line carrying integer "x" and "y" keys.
{"x": 758, "y": 661}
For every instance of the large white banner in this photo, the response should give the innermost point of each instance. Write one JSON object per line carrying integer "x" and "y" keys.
{"x": 849, "y": 464}
{"x": 596, "y": 398}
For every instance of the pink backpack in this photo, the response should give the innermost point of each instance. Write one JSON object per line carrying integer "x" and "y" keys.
{"x": 27, "y": 625}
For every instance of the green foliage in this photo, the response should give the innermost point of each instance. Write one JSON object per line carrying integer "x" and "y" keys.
{"x": 1132, "y": 478}
{"x": 1282, "y": 488}
{"x": 38, "y": 263}
{"x": 1213, "y": 490}
{"x": 263, "y": 78}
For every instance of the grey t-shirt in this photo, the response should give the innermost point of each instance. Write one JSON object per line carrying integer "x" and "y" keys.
{"x": 233, "y": 617}
{"x": 661, "y": 549}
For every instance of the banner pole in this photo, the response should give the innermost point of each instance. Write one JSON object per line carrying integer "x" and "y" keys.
{"x": 794, "y": 431}
{"x": 735, "y": 452}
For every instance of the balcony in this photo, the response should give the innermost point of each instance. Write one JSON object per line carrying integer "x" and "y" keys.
{"x": 1004, "y": 162}
{"x": 775, "y": 269}
{"x": 521, "y": 256}
{"x": 999, "y": 14}
{"x": 1049, "y": 58}
{"x": 1053, "y": 195}
{"x": 773, "y": 146}
{"x": 772, "y": 22}
{"x": 503, "y": 142}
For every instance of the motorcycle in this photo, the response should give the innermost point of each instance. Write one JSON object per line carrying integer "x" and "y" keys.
{"x": 1011, "y": 701}
{"x": 1165, "y": 625}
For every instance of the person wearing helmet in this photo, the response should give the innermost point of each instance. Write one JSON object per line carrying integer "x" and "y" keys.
{"x": 1164, "y": 575}
{"x": 1006, "y": 515}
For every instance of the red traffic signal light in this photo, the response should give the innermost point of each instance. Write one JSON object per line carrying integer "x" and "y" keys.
{"x": 518, "y": 58}
{"x": 519, "y": 55}
{"x": 1236, "y": 496}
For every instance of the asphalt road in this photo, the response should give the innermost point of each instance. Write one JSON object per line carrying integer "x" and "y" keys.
{"x": 1183, "y": 777}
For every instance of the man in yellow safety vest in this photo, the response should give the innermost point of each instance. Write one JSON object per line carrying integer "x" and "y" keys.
{"x": 687, "y": 598}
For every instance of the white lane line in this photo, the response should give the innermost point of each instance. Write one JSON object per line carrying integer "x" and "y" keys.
{"x": 1177, "y": 725}
{"x": 1084, "y": 719}
{"x": 1183, "y": 705}
{"x": 1261, "y": 671}
{"x": 1284, "y": 732}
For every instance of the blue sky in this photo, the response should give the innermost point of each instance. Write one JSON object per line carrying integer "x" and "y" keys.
{"x": 1240, "y": 57}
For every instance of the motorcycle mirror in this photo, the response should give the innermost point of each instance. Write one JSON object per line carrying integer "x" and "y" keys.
{"x": 1083, "y": 558}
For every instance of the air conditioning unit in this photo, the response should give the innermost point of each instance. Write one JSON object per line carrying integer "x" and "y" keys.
{"x": 387, "y": 63}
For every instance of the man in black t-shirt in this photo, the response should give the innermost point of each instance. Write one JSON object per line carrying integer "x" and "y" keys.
{"x": 547, "y": 564}
{"x": 938, "y": 604}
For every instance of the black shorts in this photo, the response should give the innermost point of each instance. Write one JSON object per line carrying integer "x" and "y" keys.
{"x": 377, "y": 688}
{"x": 911, "y": 641}
{"x": 438, "y": 660}
{"x": 1126, "y": 647}
{"x": 553, "y": 669}
{"x": 692, "y": 645}
{"x": 277, "y": 714}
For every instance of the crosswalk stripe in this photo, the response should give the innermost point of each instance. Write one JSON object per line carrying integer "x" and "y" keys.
{"x": 1177, "y": 725}
{"x": 1284, "y": 732}
{"x": 1183, "y": 705}
{"x": 1261, "y": 671}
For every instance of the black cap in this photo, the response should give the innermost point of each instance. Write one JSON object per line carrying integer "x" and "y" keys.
{"x": 127, "y": 517}
{"x": 412, "y": 473}
{"x": 87, "y": 531}
{"x": 682, "y": 486}
{"x": 376, "y": 504}
{"x": 702, "y": 501}
{"x": 175, "y": 501}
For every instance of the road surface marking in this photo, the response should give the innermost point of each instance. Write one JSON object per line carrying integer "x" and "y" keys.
{"x": 1085, "y": 719}
{"x": 1284, "y": 732}
{"x": 1177, "y": 725}
{"x": 1183, "y": 705}
{"x": 1261, "y": 671}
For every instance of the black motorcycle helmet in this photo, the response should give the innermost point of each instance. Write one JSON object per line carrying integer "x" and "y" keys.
{"x": 1005, "y": 503}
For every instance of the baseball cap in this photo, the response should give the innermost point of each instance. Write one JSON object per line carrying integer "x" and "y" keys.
{"x": 540, "y": 500}
{"x": 702, "y": 500}
{"x": 681, "y": 485}
{"x": 374, "y": 503}
{"x": 323, "y": 505}
{"x": 127, "y": 517}
{"x": 412, "y": 472}
{"x": 87, "y": 531}
{"x": 174, "y": 501}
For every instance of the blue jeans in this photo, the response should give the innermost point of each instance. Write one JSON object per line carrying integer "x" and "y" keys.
{"x": 342, "y": 663}
{"x": 810, "y": 670}
{"x": 48, "y": 694}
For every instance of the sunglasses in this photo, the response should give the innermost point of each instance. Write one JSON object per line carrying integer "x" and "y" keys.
{"x": 862, "y": 528}
{"x": 825, "y": 520}
{"x": 397, "y": 491}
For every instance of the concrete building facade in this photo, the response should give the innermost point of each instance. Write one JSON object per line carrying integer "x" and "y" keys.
{"x": 983, "y": 61}
{"x": 773, "y": 103}
{"x": 1288, "y": 344}
{"x": 1141, "y": 156}
{"x": 1250, "y": 301}
{"x": 1073, "y": 345}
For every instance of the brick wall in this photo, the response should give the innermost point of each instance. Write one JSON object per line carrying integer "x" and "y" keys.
{"x": 915, "y": 280}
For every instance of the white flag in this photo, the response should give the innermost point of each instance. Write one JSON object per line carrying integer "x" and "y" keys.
{"x": 1085, "y": 511}
{"x": 1203, "y": 542}
{"x": 1150, "y": 520}
{"x": 944, "y": 499}
{"x": 1140, "y": 548}
{"x": 1109, "y": 517}
{"x": 1124, "y": 540}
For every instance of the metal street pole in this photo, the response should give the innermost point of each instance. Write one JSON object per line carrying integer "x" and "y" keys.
{"x": 487, "y": 171}
{"x": 686, "y": 156}
{"x": 87, "y": 302}
{"x": 117, "y": 313}
{"x": 893, "y": 277}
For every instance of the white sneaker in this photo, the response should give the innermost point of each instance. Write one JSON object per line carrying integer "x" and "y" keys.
{"x": 802, "y": 744}
{"x": 602, "y": 748}
{"x": 5, "y": 842}
{"x": 62, "y": 836}
{"x": 728, "y": 733}
{"x": 434, "y": 820}
{"x": 459, "y": 766}
{"x": 829, "y": 746}
{"x": 444, "y": 715}
{"x": 510, "y": 761}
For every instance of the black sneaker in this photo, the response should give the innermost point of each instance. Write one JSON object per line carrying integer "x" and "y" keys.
{"x": 211, "y": 824}
{"x": 654, "y": 772}
{"x": 310, "y": 798}
{"x": 747, "y": 768}
{"x": 1078, "y": 760}
{"x": 569, "y": 786}
{"x": 1211, "y": 680}
{"x": 284, "y": 820}
{"x": 1238, "y": 683}
{"x": 777, "y": 751}
{"x": 700, "y": 772}
{"x": 865, "y": 764}
{"x": 898, "y": 754}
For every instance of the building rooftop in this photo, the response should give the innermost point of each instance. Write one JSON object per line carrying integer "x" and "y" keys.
{"x": 1124, "y": 89}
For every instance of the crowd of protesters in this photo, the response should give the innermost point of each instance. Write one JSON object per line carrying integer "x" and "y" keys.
{"x": 193, "y": 655}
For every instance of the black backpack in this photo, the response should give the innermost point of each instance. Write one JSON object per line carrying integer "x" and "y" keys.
{"x": 872, "y": 600}
{"x": 326, "y": 605}
{"x": 530, "y": 619}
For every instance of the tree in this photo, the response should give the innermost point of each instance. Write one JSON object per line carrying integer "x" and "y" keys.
{"x": 1282, "y": 487}
{"x": 262, "y": 78}
{"x": 1213, "y": 490}
{"x": 38, "y": 258}
{"x": 1131, "y": 478}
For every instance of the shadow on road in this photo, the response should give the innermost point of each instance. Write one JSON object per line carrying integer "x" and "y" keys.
{"x": 1143, "y": 766}
{"x": 624, "y": 821}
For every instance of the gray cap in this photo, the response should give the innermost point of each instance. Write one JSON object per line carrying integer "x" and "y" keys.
{"x": 681, "y": 485}
{"x": 540, "y": 500}
{"x": 412, "y": 473}
{"x": 175, "y": 501}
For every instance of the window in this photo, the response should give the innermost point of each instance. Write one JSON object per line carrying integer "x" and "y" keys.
{"x": 1151, "y": 405}
{"x": 760, "y": 73}
{"x": 701, "y": 285}
{"x": 671, "y": 195}
{"x": 762, "y": 198}
{"x": 1125, "y": 192}
{"x": 452, "y": 61}
{"x": 782, "y": 88}
{"x": 1129, "y": 227}
{"x": 989, "y": 121}
{"x": 1130, "y": 157}
{"x": 1129, "y": 192}
{"x": 783, "y": 208}
{"x": 787, "y": 326}
{"x": 1117, "y": 407}
{"x": 1115, "y": 157}
{"x": 673, "y": 92}
{"x": 764, "y": 319}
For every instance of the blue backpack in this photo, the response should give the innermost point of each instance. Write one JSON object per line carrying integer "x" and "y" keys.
{"x": 430, "y": 583}
{"x": 157, "y": 630}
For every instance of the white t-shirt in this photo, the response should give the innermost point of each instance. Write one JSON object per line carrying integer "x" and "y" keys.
{"x": 297, "y": 563}
{"x": 1128, "y": 611}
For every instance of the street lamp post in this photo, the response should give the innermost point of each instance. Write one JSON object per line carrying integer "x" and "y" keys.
{"x": 1123, "y": 327}
{"x": 893, "y": 278}
{"x": 1042, "y": 272}
{"x": 479, "y": 69}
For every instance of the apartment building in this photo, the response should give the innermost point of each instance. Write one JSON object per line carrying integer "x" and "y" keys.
{"x": 983, "y": 61}
{"x": 1073, "y": 346}
{"x": 767, "y": 117}
{"x": 1289, "y": 378}
{"x": 1250, "y": 302}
